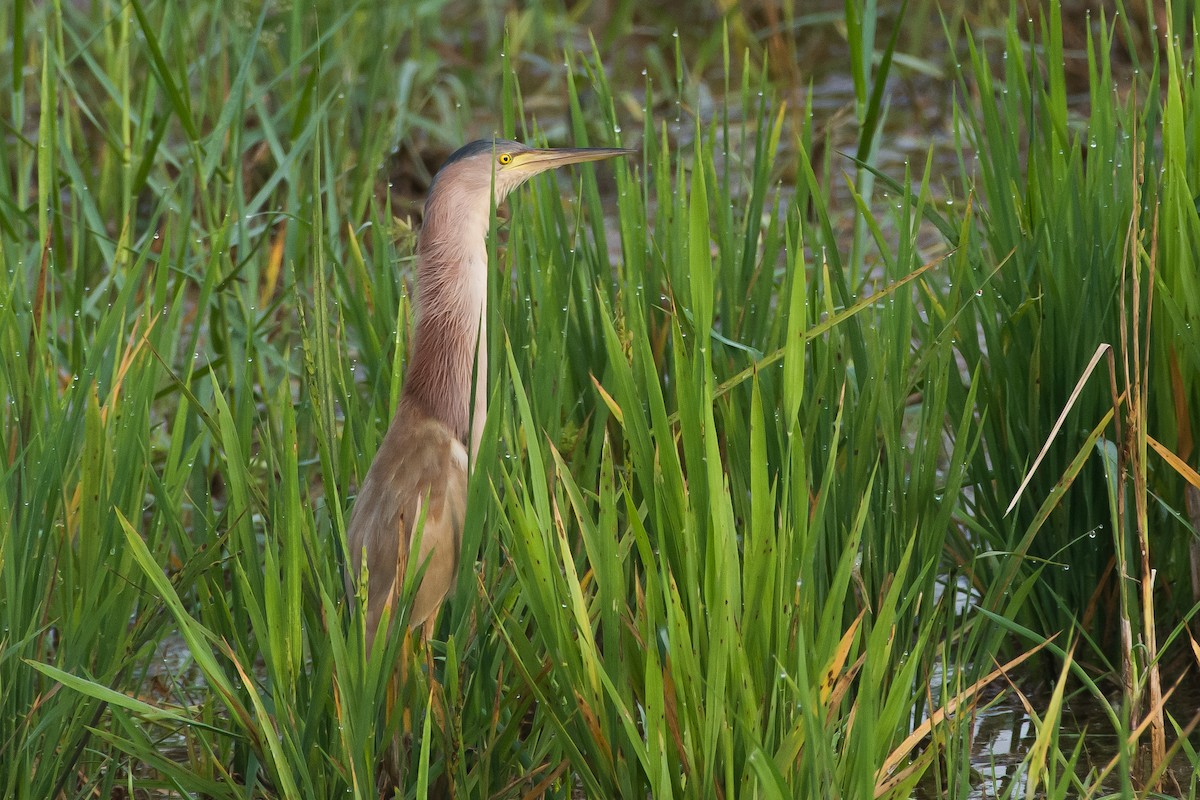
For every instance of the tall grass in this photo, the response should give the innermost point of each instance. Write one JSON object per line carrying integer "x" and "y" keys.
{"x": 740, "y": 470}
{"x": 1079, "y": 371}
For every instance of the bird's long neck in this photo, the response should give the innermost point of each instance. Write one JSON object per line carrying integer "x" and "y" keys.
{"x": 449, "y": 341}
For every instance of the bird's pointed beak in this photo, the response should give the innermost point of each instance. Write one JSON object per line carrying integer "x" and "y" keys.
{"x": 543, "y": 159}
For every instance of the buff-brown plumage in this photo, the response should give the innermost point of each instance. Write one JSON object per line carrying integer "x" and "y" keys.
{"x": 425, "y": 458}
{"x": 421, "y": 468}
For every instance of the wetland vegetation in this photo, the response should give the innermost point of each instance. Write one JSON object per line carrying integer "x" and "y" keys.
{"x": 855, "y": 407}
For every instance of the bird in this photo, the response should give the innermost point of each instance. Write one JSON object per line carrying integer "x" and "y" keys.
{"x": 419, "y": 474}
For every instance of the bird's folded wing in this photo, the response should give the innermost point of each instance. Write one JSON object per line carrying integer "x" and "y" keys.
{"x": 421, "y": 469}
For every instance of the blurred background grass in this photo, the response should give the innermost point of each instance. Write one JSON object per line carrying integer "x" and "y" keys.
{"x": 760, "y": 398}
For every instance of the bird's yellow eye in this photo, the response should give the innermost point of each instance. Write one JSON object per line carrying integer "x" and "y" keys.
{"x": 505, "y": 158}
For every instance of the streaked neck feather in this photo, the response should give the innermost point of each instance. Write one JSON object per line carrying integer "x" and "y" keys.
{"x": 449, "y": 340}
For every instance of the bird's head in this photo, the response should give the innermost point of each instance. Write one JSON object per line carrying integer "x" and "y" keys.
{"x": 502, "y": 165}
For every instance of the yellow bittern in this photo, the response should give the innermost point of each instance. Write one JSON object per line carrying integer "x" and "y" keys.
{"x": 423, "y": 462}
